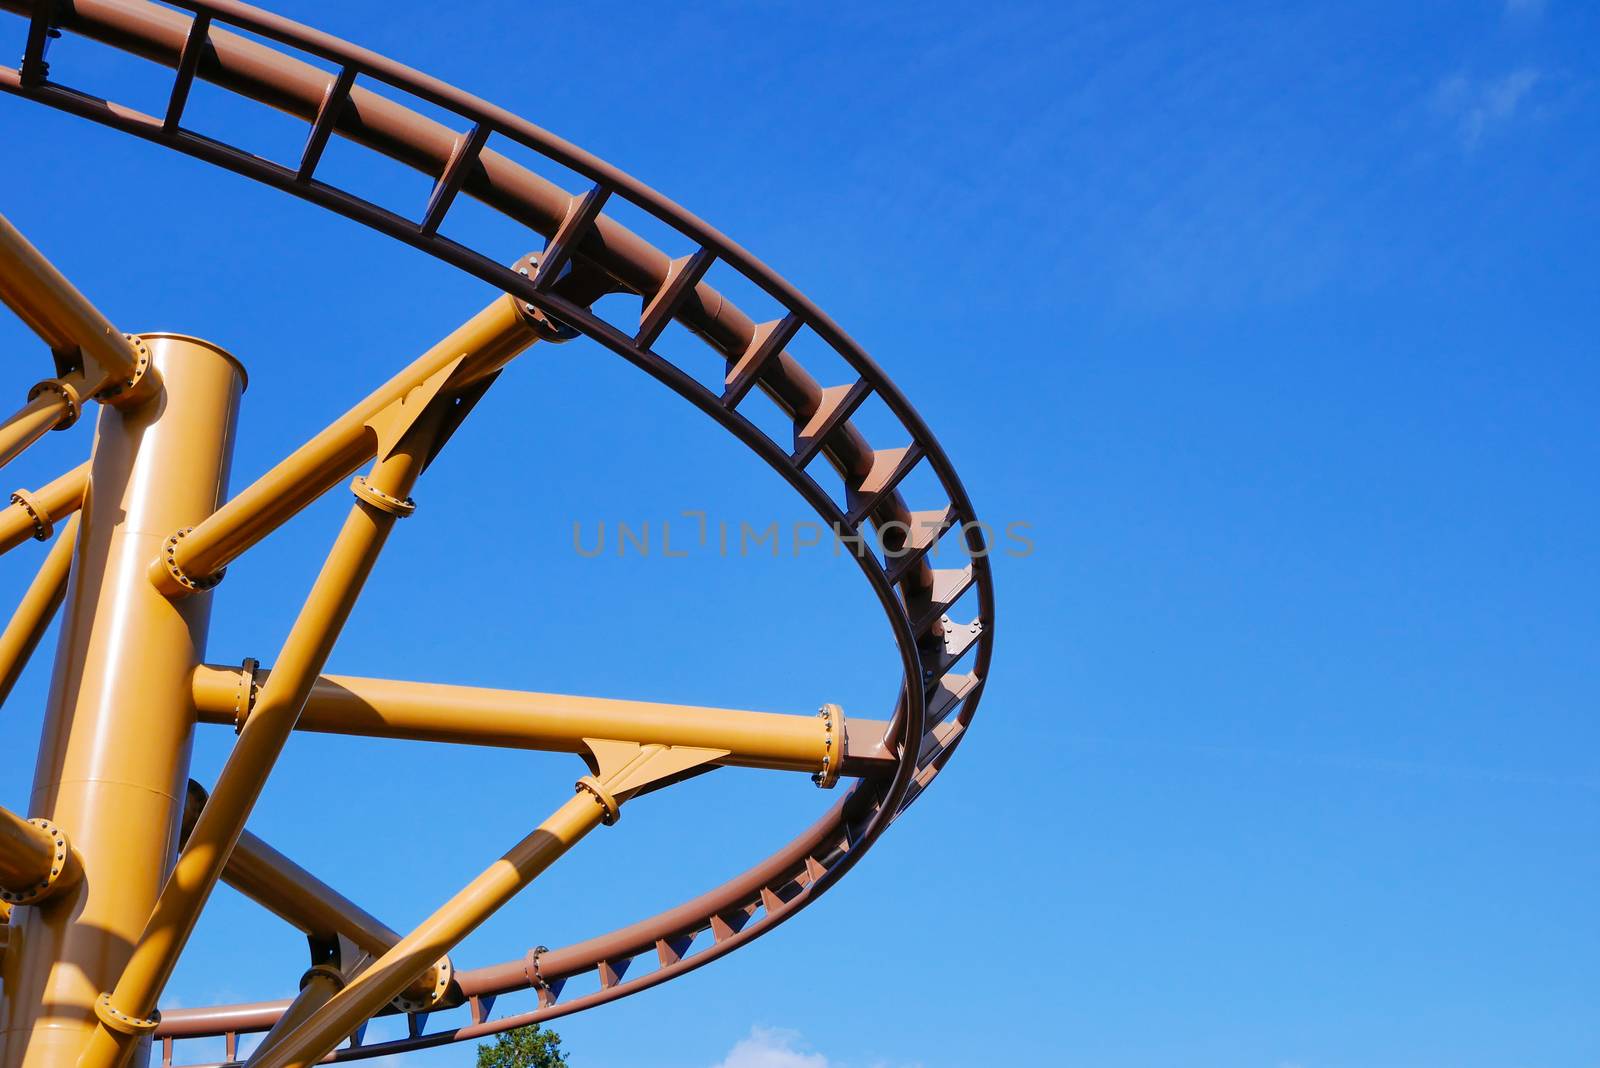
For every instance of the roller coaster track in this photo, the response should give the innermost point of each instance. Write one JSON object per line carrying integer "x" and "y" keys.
{"x": 944, "y": 661}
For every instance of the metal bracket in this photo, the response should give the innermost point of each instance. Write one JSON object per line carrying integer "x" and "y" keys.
{"x": 33, "y": 70}
{"x": 624, "y": 769}
{"x": 549, "y": 329}
{"x": 391, "y": 422}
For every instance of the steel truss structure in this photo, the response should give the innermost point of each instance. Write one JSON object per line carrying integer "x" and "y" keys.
{"x": 102, "y": 889}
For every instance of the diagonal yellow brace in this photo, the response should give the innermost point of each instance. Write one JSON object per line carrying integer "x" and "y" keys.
{"x": 34, "y": 513}
{"x": 299, "y": 898}
{"x": 39, "y": 606}
{"x": 473, "y": 351}
{"x": 625, "y": 769}
{"x": 107, "y": 361}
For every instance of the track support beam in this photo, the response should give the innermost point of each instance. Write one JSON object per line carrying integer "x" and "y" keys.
{"x": 471, "y": 715}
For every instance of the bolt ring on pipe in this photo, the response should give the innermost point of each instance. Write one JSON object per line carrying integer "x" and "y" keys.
{"x": 169, "y": 556}
{"x": 611, "y": 811}
{"x": 443, "y": 975}
{"x": 60, "y": 863}
{"x": 43, "y": 525}
{"x": 120, "y": 391}
{"x": 399, "y": 507}
{"x": 121, "y": 1022}
{"x": 244, "y": 700}
{"x": 328, "y": 971}
{"x": 68, "y": 393}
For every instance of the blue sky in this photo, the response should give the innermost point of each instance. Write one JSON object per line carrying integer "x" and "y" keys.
{"x": 1276, "y": 323}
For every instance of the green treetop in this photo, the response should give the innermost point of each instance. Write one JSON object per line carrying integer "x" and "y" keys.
{"x": 524, "y": 1047}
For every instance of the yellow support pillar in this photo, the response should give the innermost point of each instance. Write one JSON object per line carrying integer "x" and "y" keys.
{"x": 406, "y": 435}
{"x": 113, "y": 760}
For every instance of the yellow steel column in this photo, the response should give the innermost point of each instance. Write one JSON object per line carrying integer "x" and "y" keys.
{"x": 221, "y": 821}
{"x": 114, "y": 757}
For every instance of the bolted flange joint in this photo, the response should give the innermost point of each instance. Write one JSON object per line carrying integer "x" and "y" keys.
{"x": 123, "y": 1023}
{"x": 43, "y": 525}
{"x": 323, "y": 971}
{"x": 175, "y": 573}
{"x": 67, "y": 389}
{"x": 610, "y": 810}
{"x": 136, "y": 386}
{"x": 63, "y": 868}
{"x": 832, "y": 746}
{"x": 430, "y": 991}
{"x": 399, "y": 507}
{"x": 244, "y": 698}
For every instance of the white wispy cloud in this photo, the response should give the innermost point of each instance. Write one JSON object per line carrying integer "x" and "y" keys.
{"x": 1479, "y": 105}
{"x": 776, "y": 1047}
{"x": 771, "y": 1047}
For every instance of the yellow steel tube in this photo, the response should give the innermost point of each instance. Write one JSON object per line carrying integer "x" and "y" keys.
{"x": 27, "y": 853}
{"x": 38, "y": 607}
{"x": 471, "y": 715}
{"x": 33, "y": 421}
{"x": 113, "y": 757}
{"x": 56, "y": 500}
{"x": 281, "y": 886}
{"x": 63, "y": 317}
{"x": 294, "y": 895}
{"x": 489, "y": 340}
{"x": 370, "y": 991}
{"x": 271, "y": 879}
{"x": 317, "y": 988}
{"x": 220, "y": 823}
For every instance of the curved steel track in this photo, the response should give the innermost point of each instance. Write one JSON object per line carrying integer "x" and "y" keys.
{"x": 937, "y": 698}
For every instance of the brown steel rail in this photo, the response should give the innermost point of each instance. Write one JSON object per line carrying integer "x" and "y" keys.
{"x": 937, "y": 701}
